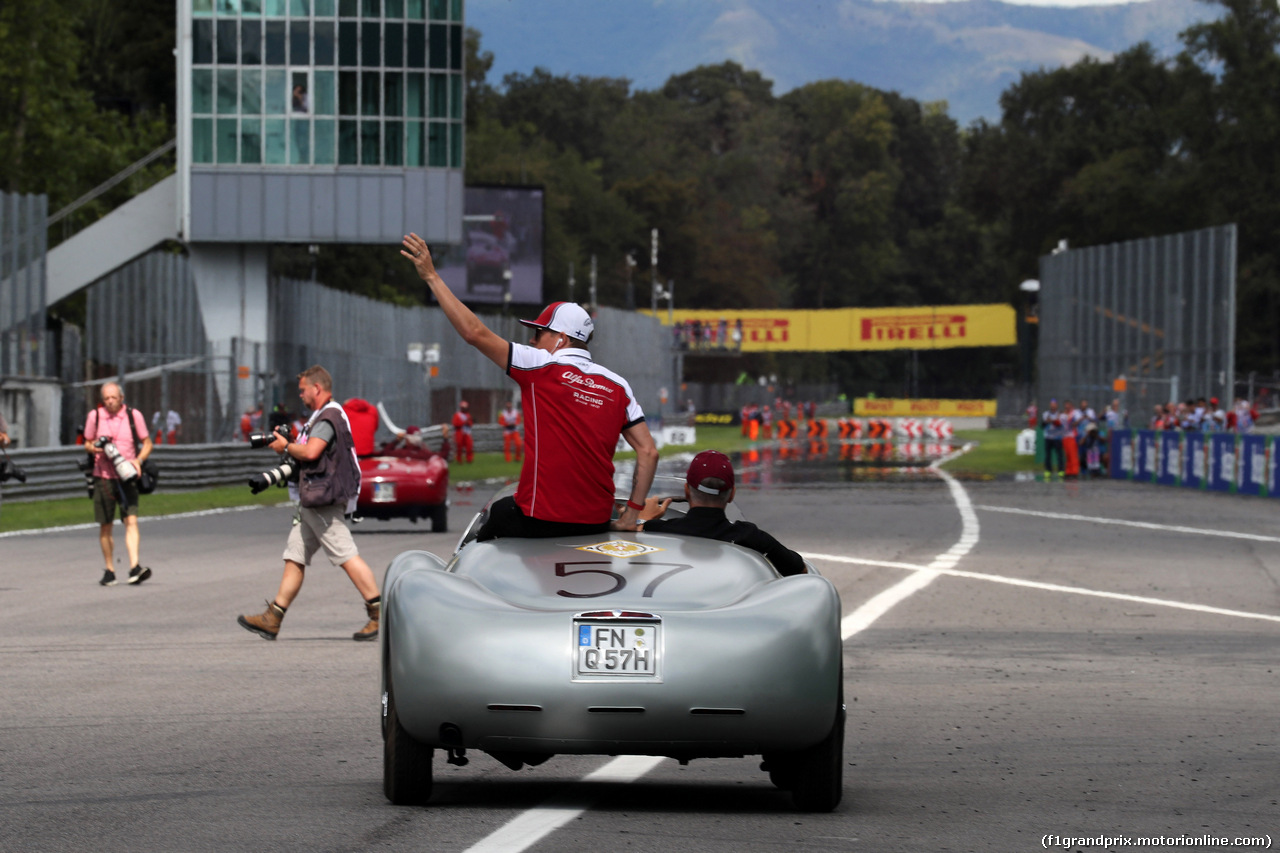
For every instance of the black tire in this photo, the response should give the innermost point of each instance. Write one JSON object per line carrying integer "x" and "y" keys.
{"x": 406, "y": 763}
{"x": 440, "y": 519}
{"x": 816, "y": 775}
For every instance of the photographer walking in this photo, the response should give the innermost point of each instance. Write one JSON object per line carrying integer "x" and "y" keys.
{"x": 327, "y": 488}
{"x": 117, "y": 438}
{"x": 4, "y": 439}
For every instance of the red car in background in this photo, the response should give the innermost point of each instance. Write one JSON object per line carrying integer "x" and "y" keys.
{"x": 399, "y": 479}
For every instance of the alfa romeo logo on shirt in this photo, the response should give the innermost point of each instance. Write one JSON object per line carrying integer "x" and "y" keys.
{"x": 620, "y": 548}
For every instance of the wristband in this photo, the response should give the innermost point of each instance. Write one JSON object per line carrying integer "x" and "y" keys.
{"x": 633, "y": 505}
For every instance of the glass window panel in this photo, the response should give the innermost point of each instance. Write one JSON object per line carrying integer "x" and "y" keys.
{"x": 228, "y": 49}
{"x": 250, "y": 92}
{"x": 455, "y": 47}
{"x": 300, "y": 150}
{"x": 202, "y": 140}
{"x": 439, "y": 101}
{"x": 324, "y": 142}
{"x": 437, "y": 149}
{"x": 413, "y": 144}
{"x": 371, "y": 44}
{"x": 455, "y": 96}
{"x": 202, "y": 7}
{"x": 324, "y": 42}
{"x": 202, "y": 90}
{"x": 394, "y": 9}
{"x": 277, "y": 94}
{"x": 274, "y": 7}
{"x": 417, "y": 9}
{"x": 251, "y": 43}
{"x": 348, "y": 43}
{"x": 455, "y": 145}
{"x": 348, "y": 8}
{"x": 371, "y": 8}
{"x": 438, "y": 47}
{"x": 299, "y": 8}
{"x": 417, "y": 45}
{"x": 393, "y": 94}
{"x": 300, "y": 93}
{"x": 439, "y": 10}
{"x": 348, "y": 143}
{"x": 395, "y": 46}
{"x": 228, "y": 140}
{"x": 348, "y": 93}
{"x": 324, "y": 8}
{"x": 228, "y": 92}
{"x": 251, "y": 7}
{"x": 299, "y": 43}
{"x": 251, "y": 140}
{"x": 202, "y": 42}
{"x": 275, "y": 43}
{"x": 228, "y": 7}
{"x": 324, "y": 97}
{"x": 414, "y": 92}
{"x": 275, "y": 148}
{"x": 370, "y": 143}
{"x": 370, "y": 94}
{"x": 455, "y": 13}
{"x": 393, "y": 144}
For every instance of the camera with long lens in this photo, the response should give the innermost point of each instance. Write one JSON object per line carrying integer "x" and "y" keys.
{"x": 259, "y": 440}
{"x": 10, "y": 471}
{"x": 125, "y": 469}
{"x": 285, "y": 472}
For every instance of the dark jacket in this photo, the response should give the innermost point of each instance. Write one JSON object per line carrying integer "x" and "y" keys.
{"x": 334, "y": 478}
{"x": 710, "y": 522}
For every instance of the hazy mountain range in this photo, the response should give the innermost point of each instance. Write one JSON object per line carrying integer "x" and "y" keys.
{"x": 964, "y": 52}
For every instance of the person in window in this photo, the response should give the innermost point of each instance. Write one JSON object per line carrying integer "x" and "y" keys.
{"x": 301, "y": 102}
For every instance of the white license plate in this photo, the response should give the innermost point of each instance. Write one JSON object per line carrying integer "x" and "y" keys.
{"x": 384, "y": 493}
{"x": 616, "y": 649}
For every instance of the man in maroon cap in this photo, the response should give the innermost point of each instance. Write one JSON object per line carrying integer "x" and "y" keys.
{"x": 574, "y": 411}
{"x": 708, "y": 486}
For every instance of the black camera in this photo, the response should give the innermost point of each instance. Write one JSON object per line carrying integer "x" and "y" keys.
{"x": 9, "y": 471}
{"x": 285, "y": 472}
{"x": 260, "y": 440}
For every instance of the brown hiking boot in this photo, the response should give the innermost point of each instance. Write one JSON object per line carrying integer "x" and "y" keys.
{"x": 267, "y": 624}
{"x": 370, "y": 631}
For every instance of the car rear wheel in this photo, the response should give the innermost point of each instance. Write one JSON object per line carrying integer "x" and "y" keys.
{"x": 406, "y": 763}
{"x": 440, "y": 519}
{"x": 816, "y": 775}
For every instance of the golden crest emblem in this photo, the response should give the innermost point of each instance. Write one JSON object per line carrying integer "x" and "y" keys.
{"x": 619, "y": 548}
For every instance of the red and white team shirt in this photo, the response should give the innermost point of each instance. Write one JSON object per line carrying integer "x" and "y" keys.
{"x": 574, "y": 411}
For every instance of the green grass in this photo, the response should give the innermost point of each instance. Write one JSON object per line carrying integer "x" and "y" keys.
{"x": 993, "y": 455}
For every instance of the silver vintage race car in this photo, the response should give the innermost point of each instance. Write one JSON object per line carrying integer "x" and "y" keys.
{"x": 613, "y": 644}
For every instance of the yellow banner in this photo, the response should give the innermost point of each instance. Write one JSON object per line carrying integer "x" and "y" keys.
{"x": 884, "y": 408}
{"x": 836, "y": 329}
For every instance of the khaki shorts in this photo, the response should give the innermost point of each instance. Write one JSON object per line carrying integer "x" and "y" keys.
{"x": 320, "y": 527}
{"x": 106, "y": 497}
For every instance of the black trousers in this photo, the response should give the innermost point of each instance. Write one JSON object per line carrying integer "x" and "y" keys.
{"x": 506, "y": 519}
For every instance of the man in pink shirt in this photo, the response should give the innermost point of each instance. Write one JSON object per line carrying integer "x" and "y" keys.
{"x": 574, "y": 411}
{"x": 127, "y": 430}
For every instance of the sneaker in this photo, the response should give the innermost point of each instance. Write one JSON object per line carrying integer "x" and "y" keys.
{"x": 138, "y": 574}
{"x": 108, "y": 578}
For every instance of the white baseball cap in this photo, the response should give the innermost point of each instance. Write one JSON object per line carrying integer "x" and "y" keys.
{"x": 568, "y": 317}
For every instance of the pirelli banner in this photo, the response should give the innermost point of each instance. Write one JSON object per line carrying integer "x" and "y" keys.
{"x": 830, "y": 330}
{"x": 880, "y": 407}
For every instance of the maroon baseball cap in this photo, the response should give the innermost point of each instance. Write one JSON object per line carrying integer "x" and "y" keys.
{"x": 710, "y": 463}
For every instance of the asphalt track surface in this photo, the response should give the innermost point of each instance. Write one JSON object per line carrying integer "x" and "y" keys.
{"x": 1014, "y": 670}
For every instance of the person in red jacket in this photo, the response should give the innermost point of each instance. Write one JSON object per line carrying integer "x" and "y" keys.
{"x": 462, "y": 432}
{"x": 509, "y": 420}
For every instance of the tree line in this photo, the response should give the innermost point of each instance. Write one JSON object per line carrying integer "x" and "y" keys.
{"x": 834, "y": 194}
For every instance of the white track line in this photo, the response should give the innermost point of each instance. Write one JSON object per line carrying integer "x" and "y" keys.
{"x": 532, "y": 826}
{"x": 1145, "y": 525}
{"x": 142, "y": 518}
